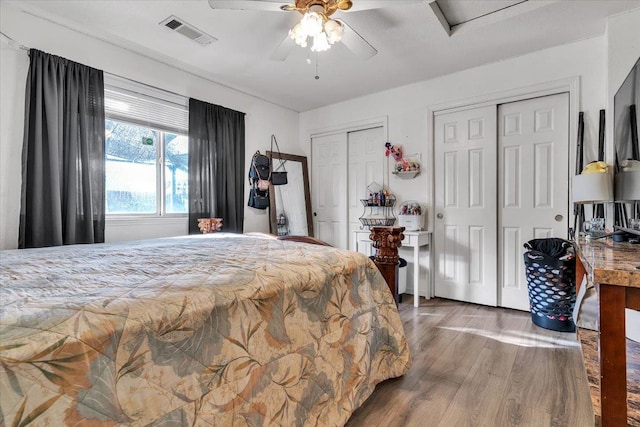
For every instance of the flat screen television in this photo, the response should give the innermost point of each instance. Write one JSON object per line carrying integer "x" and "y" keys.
{"x": 627, "y": 178}
{"x": 627, "y": 96}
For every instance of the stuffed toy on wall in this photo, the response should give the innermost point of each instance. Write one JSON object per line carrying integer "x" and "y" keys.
{"x": 394, "y": 151}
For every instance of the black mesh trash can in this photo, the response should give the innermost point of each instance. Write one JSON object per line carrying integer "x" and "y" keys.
{"x": 550, "y": 268}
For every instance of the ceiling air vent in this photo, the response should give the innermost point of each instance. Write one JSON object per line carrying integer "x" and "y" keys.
{"x": 187, "y": 30}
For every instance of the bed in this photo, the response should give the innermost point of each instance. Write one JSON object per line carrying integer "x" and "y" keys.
{"x": 217, "y": 329}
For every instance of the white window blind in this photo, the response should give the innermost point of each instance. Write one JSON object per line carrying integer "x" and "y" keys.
{"x": 143, "y": 105}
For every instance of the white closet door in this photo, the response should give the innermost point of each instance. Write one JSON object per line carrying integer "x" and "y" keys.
{"x": 366, "y": 160}
{"x": 533, "y": 184}
{"x": 328, "y": 188}
{"x": 465, "y": 229}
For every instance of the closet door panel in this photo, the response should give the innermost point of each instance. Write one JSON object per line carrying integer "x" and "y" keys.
{"x": 533, "y": 184}
{"x": 465, "y": 246}
{"x": 328, "y": 178}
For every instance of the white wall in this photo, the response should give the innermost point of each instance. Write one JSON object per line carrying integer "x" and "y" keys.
{"x": 13, "y": 72}
{"x": 262, "y": 118}
{"x": 406, "y": 107}
{"x": 623, "y": 49}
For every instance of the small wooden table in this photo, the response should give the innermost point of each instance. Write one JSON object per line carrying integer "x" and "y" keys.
{"x": 613, "y": 267}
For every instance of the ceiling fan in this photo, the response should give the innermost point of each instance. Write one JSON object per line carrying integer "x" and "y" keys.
{"x": 317, "y": 27}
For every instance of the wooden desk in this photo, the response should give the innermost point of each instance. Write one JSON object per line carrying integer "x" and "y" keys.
{"x": 612, "y": 267}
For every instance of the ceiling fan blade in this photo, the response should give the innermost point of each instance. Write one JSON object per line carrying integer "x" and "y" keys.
{"x": 282, "y": 51}
{"x": 379, "y": 4}
{"x": 267, "y": 5}
{"x": 356, "y": 44}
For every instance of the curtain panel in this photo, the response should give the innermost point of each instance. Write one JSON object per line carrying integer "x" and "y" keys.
{"x": 63, "y": 165}
{"x": 216, "y": 165}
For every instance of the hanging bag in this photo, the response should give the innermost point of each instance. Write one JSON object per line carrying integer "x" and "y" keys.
{"x": 260, "y": 167}
{"x": 258, "y": 199}
{"x": 278, "y": 177}
{"x": 259, "y": 173}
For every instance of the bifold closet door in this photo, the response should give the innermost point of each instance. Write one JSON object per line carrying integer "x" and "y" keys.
{"x": 342, "y": 166}
{"x": 501, "y": 179}
{"x": 465, "y": 232}
{"x": 328, "y": 188}
{"x": 533, "y": 145}
{"x": 366, "y": 165}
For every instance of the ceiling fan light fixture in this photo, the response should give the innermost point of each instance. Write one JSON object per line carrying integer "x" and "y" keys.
{"x": 312, "y": 23}
{"x": 334, "y": 31}
{"x": 298, "y": 35}
{"x": 316, "y": 24}
{"x": 320, "y": 43}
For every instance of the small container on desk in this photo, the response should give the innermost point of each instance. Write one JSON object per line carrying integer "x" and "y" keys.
{"x": 410, "y": 215}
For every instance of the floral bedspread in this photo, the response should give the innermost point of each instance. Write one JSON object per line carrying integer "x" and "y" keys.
{"x": 223, "y": 330}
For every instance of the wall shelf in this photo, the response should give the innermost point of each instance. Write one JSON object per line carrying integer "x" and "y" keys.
{"x": 407, "y": 174}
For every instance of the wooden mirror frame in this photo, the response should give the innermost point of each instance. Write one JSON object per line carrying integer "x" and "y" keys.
{"x": 273, "y": 222}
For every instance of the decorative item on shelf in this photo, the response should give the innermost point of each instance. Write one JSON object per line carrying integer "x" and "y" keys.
{"x": 405, "y": 167}
{"x": 209, "y": 225}
{"x": 378, "y": 208}
{"x": 410, "y": 215}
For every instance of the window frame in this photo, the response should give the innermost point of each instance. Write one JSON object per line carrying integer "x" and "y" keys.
{"x": 155, "y": 108}
{"x": 160, "y": 164}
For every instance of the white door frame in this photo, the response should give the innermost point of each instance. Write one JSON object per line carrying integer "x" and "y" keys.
{"x": 570, "y": 85}
{"x": 354, "y": 126}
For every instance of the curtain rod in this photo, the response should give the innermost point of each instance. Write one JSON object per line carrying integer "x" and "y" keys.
{"x": 11, "y": 42}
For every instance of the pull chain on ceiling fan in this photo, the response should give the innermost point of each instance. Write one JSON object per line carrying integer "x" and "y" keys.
{"x": 316, "y": 25}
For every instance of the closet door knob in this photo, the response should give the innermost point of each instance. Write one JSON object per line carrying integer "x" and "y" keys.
{"x": 440, "y": 216}
{"x": 559, "y": 218}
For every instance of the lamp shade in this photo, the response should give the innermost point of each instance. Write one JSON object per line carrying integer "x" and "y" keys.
{"x": 628, "y": 186}
{"x": 592, "y": 188}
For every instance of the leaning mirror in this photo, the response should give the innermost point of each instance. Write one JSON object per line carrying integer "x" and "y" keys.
{"x": 290, "y": 204}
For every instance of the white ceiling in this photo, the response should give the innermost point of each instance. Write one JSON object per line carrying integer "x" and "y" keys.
{"x": 411, "y": 41}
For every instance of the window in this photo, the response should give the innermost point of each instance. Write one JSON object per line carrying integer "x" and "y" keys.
{"x": 146, "y": 170}
{"x": 146, "y": 155}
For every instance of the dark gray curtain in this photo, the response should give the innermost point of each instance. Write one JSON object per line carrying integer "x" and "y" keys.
{"x": 216, "y": 165}
{"x": 63, "y": 154}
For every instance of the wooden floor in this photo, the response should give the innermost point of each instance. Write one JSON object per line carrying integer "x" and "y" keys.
{"x": 481, "y": 366}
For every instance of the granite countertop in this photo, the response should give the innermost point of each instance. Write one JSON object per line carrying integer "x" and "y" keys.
{"x": 615, "y": 263}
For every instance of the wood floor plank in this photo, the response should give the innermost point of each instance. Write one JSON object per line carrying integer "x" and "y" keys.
{"x": 481, "y": 366}
{"x": 542, "y": 388}
{"x": 456, "y": 358}
{"x": 475, "y": 403}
